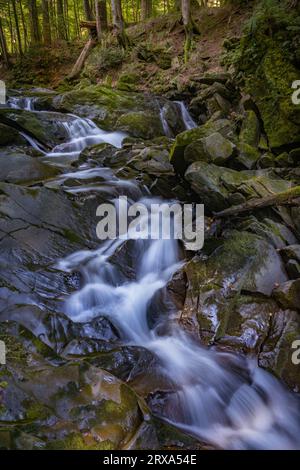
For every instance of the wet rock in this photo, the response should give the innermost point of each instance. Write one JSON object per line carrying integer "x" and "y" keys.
{"x": 291, "y": 252}
{"x": 272, "y": 95}
{"x": 109, "y": 108}
{"x": 283, "y": 160}
{"x": 247, "y": 156}
{"x": 275, "y": 232}
{"x": 215, "y": 185}
{"x": 294, "y": 155}
{"x": 250, "y": 131}
{"x": 222, "y": 126}
{"x": 9, "y": 136}
{"x": 18, "y": 167}
{"x": 293, "y": 269}
{"x": 47, "y": 126}
{"x": 218, "y": 286}
{"x": 267, "y": 160}
{"x": 276, "y": 352}
{"x": 140, "y": 124}
{"x": 288, "y": 294}
{"x": 214, "y": 148}
{"x": 70, "y": 406}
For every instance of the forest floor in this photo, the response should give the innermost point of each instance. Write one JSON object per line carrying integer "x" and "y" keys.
{"x": 154, "y": 62}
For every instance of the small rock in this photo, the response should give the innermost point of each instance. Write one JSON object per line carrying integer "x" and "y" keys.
{"x": 288, "y": 294}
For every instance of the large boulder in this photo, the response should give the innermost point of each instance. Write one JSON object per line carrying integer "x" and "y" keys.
{"x": 178, "y": 157}
{"x": 137, "y": 113}
{"x": 46, "y": 126}
{"x": 271, "y": 90}
{"x": 18, "y": 167}
{"x": 88, "y": 408}
{"x": 219, "y": 187}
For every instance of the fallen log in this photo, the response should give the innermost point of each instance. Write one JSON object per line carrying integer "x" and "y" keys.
{"x": 82, "y": 58}
{"x": 18, "y": 127}
{"x": 88, "y": 24}
{"x": 279, "y": 199}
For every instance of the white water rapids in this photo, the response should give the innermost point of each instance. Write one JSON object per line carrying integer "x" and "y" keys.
{"x": 223, "y": 399}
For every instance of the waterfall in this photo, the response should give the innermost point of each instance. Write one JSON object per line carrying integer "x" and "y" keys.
{"x": 21, "y": 102}
{"x": 186, "y": 117}
{"x": 219, "y": 397}
{"x": 222, "y": 398}
{"x": 83, "y": 133}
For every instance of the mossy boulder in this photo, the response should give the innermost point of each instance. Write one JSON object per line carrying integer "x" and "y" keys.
{"x": 9, "y": 136}
{"x": 128, "y": 81}
{"x": 44, "y": 126}
{"x": 284, "y": 160}
{"x": 222, "y": 126}
{"x": 218, "y": 288}
{"x": 18, "y": 167}
{"x": 247, "y": 155}
{"x": 250, "y": 131}
{"x": 214, "y": 148}
{"x": 272, "y": 91}
{"x": 141, "y": 124}
{"x": 89, "y": 409}
{"x": 217, "y": 185}
{"x": 288, "y": 294}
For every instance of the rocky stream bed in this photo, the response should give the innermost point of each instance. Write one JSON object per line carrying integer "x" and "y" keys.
{"x": 144, "y": 345}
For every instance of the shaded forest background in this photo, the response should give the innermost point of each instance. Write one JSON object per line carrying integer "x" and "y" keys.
{"x": 151, "y": 42}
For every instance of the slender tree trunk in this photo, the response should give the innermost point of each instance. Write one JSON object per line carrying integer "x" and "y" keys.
{"x": 46, "y": 23}
{"x": 101, "y": 16}
{"x": 118, "y": 23}
{"x": 61, "y": 24}
{"x": 24, "y": 26}
{"x": 34, "y": 22}
{"x": 11, "y": 32}
{"x": 3, "y": 45}
{"x": 82, "y": 58}
{"x": 188, "y": 26}
{"x": 14, "y": 7}
{"x": 146, "y": 9}
{"x": 98, "y": 20}
{"x": 76, "y": 16}
{"x": 88, "y": 10}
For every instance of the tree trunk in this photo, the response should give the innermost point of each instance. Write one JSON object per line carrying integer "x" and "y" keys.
{"x": 118, "y": 23}
{"x": 88, "y": 10}
{"x": 61, "y": 26}
{"x": 101, "y": 17}
{"x": 24, "y": 26}
{"x": 46, "y": 23}
{"x": 188, "y": 26}
{"x": 146, "y": 9}
{"x": 17, "y": 27}
{"x": 285, "y": 197}
{"x": 82, "y": 58}
{"x": 3, "y": 45}
{"x": 98, "y": 20}
{"x": 34, "y": 22}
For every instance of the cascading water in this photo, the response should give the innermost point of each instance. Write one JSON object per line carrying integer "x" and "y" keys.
{"x": 222, "y": 398}
{"x": 83, "y": 133}
{"x": 80, "y": 132}
{"x": 21, "y": 102}
{"x": 186, "y": 117}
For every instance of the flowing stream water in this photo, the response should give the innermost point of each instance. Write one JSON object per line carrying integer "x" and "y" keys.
{"x": 221, "y": 398}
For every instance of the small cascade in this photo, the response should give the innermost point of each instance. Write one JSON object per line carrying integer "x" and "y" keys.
{"x": 186, "y": 117}
{"x": 84, "y": 133}
{"x": 219, "y": 397}
{"x": 21, "y": 102}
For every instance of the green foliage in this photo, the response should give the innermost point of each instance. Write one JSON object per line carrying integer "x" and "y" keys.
{"x": 271, "y": 23}
{"x": 104, "y": 58}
